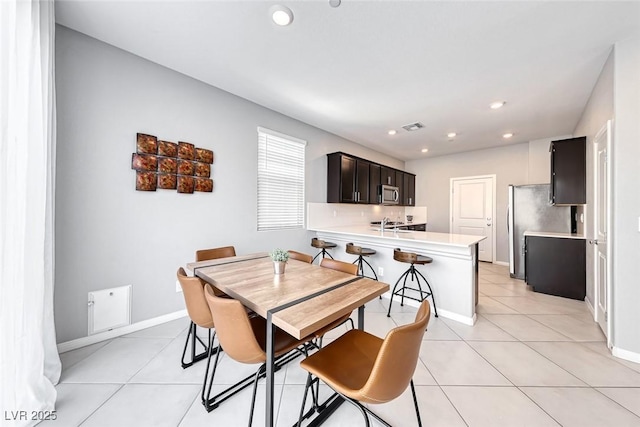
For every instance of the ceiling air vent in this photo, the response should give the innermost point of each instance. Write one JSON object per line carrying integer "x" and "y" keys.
{"x": 413, "y": 126}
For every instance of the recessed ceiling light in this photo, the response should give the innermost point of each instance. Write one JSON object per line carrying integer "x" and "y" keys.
{"x": 451, "y": 134}
{"x": 392, "y": 132}
{"x": 334, "y": 3}
{"x": 281, "y": 15}
{"x": 496, "y": 105}
{"x": 424, "y": 150}
{"x": 507, "y": 135}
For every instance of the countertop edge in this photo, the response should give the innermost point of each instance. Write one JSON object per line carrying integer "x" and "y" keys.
{"x": 554, "y": 235}
{"x": 428, "y": 237}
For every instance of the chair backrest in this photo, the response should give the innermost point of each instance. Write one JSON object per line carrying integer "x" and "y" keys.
{"x": 397, "y": 360}
{"x": 233, "y": 328}
{"x": 215, "y": 253}
{"x": 317, "y": 243}
{"x": 300, "y": 256}
{"x": 334, "y": 264}
{"x": 353, "y": 249}
{"x": 402, "y": 256}
{"x": 194, "y": 299}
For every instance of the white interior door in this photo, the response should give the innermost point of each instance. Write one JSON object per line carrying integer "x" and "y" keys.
{"x": 601, "y": 224}
{"x": 472, "y": 211}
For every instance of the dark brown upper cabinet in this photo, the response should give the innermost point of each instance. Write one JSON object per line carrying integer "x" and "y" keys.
{"x": 351, "y": 179}
{"x": 409, "y": 189}
{"x": 347, "y": 179}
{"x": 374, "y": 182}
{"x": 387, "y": 176}
{"x": 568, "y": 171}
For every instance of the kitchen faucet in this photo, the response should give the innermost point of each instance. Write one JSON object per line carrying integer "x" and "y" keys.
{"x": 384, "y": 223}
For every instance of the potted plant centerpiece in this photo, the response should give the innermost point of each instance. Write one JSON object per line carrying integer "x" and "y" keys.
{"x": 279, "y": 257}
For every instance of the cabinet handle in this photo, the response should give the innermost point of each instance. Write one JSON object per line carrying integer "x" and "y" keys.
{"x": 410, "y": 200}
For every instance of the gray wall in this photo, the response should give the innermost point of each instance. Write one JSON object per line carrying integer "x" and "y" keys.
{"x": 598, "y": 110}
{"x": 625, "y": 163}
{"x": 617, "y": 96}
{"x": 108, "y": 234}
{"x": 509, "y": 164}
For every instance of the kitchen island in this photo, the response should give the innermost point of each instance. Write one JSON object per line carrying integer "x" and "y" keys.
{"x": 453, "y": 274}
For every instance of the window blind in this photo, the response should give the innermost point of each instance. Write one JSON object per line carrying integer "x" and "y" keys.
{"x": 280, "y": 181}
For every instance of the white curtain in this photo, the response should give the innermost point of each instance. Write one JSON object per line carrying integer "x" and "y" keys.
{"x": 29, "y": 362}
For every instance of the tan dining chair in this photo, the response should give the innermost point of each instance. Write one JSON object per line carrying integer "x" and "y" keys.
{"x": 345, "y": 267}
{"x": 215, "y": 253}
{"x": 243, "y": 337}
{"x": 365, "y": 369}
{"x": 300, "y": 256}
{"x": 200, "y": 315}
{"x": 192, "y": 335}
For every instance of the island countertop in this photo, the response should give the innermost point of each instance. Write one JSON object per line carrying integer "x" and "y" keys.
{"x": 452, "y": 274}
{"x": 449, "y": 239}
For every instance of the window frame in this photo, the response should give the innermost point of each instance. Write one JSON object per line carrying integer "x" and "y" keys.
{"x": 271, "y": 187}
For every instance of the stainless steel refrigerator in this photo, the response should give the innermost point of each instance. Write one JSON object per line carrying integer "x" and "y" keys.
{"x": 530, "y": 210}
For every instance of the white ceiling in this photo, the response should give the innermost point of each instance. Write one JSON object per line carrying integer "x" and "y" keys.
{"x": 365, "y": 67}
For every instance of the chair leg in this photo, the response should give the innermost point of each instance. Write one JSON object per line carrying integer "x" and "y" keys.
{"x": 360, "y": 408}
{"x": 433, "y": 297}
{"x": 372, "y": 270}
{"x": 206, "y": 390}
{"x": 415, "y": 403}
{"x": 262, "y": 368}
{"x": 193, "y": 337}
{"x": 394, "y": 291}
{"x": 325, "y": 252}
{"x": 404, "y": 284}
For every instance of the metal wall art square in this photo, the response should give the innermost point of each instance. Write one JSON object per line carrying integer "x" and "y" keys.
{"x": 168, "y": 165}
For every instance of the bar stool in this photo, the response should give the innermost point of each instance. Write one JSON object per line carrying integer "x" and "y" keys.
{"x": 413, "y": 259}
{"x": 321, "y": 244}
{"x": 361, "y": 252}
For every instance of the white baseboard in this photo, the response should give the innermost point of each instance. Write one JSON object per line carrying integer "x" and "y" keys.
{"x": 503, "y": 263}
{"x": 107, "y": 335}
{"x": 441, "y": 313}
{"x": 626, "y": 354}
{"x": 590, "y": 307}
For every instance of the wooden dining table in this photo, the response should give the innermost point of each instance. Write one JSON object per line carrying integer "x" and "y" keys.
{"x": 302, "y": 300}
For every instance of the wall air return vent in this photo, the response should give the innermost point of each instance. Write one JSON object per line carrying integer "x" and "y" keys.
{"x": 413, "y": 126}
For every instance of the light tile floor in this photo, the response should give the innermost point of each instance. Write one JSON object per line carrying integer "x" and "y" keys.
{"x": 530, "y": 360}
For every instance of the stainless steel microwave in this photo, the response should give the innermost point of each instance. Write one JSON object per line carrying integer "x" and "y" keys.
{"x": 388, "y": 195}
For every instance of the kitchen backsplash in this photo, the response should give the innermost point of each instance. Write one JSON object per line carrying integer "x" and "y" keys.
{"x": 336, "y": 214}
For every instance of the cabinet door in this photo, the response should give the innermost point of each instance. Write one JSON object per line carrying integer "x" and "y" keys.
{"x": 362, "y": 181}
{"x": 556, "y": 266}
{"x": 568, "y": 171}
{"x": 374, "y": 182}
{"x": 347, "y": 180}
{"x": 400, "y": 185}
{"x": 388, "y": 176}
{"x": 409, "y": 189}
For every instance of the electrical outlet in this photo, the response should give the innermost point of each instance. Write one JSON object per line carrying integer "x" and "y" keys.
{"x": 178, "y": 287}
{"x": 335, "y": 214}
{"x": 380, "y": 271}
